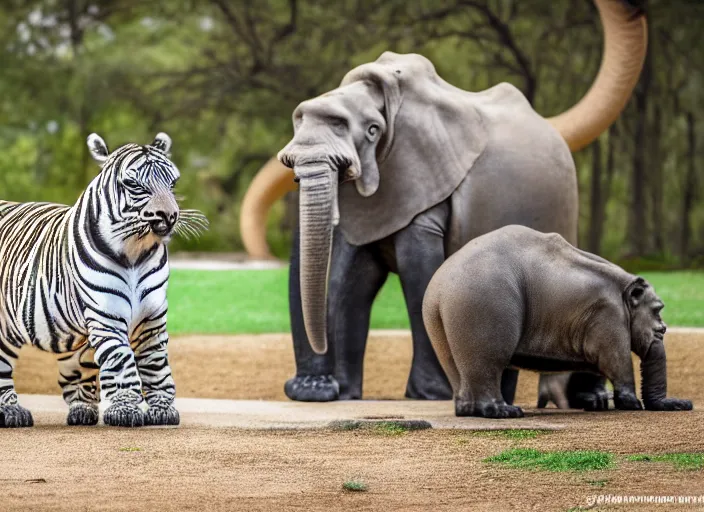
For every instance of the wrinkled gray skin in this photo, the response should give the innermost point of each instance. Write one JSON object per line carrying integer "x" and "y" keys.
{"x": 397, "y": 170}
{"x": 517, "y": 297}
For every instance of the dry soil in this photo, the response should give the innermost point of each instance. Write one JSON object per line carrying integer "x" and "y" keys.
{"x": 195, "y": 468}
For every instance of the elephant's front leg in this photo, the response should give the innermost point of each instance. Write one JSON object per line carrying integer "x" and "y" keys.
{"x": 120, "y": 384}
{"x": 356, "y": 276}
{"x": 150, "y": 350}
{"x": 314, "y": 380}
{"x": 420, "y": 251}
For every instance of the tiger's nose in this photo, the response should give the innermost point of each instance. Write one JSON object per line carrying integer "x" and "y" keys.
{"x": 159, "y": 215}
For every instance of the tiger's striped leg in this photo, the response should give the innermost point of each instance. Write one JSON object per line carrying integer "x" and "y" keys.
{"x": 11, "y": 413}
{"x": 157, "y": 381}
{"x": 120, "y": 384}
{"x": 78, "y": 378}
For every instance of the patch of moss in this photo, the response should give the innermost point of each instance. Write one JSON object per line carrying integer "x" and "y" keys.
{"x": 381, "y": 427}
{"x": 597, "y": 483}
{"x": 682, "y": 461}
{"x": 530, "y": 458}
{"x": 355, "y": 486}
{"x": 514, "y": 434}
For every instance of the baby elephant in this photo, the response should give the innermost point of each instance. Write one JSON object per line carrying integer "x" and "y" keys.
{"x": 516, "y": 297}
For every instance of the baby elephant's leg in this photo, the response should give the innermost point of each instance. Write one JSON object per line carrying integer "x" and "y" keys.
{"x": 653, "y": 367}
{"x": 616, "y": 365}
{"x": 78, "y": 378}
{"x": 481, "y": 356}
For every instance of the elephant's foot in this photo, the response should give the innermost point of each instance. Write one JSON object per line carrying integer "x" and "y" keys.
{"x": 627, "y": 401}
{"x": 587, "y": 391}
{"x": 669, "y": 404}
{"x": 312, "y": 388}
{"x": 125, "y": 410}
{"x": 430, "y": 388}
{"x": 15, "y": 416}
{"x": 493, "y": 409}
{"x": 591, "y": 401}
{"x": 161, "y": 412}
{"x": 82, "y": 414}
{"x": 350, "y": 393}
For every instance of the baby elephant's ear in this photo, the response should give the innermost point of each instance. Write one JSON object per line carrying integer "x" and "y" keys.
{"x": 162, "y": 142}
{"x": 98, "y": 148}
{"x": 636, "y": 292}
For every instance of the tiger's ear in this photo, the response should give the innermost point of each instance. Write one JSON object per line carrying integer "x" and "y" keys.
{"x": 162, "y": 142}
{"x": 98, "y": 148}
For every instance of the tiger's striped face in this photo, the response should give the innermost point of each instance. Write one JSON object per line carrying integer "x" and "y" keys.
{"x": 137, "y": 184}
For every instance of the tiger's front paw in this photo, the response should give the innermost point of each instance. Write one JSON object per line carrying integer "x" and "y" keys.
{"x": 82, "y": 414}
{"x": 162, "y": 415}
{"x": 15, "y": 416}
{"x": 125, "y": 411}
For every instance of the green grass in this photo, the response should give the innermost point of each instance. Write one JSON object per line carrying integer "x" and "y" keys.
{"x": 513, "y": 434}
{"x": 390, "y": 428}
{"x": 256, "y": 301}
{"x": 597, "y": 483}
{"x": 529, "y": 458}
{"x": 355, "y": 486}
{"x": 130, "y": 449}
{"x": 683, "y": 461}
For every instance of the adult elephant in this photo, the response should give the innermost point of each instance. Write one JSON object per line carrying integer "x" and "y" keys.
{"x": 397, "y": 170}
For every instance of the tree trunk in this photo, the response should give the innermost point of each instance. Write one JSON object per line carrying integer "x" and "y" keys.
{"x": 596, "y": 211}
{"x": 656, "y": 183}
{"x": 610, "y": 166}
{"x": 637, "y": 219}
{"x": 689, "y": 189}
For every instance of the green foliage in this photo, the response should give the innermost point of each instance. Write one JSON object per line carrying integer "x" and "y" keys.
{"x": 529, "y": 458}
{"x": 682, "y": 461}
{"x": 222, "y": 78}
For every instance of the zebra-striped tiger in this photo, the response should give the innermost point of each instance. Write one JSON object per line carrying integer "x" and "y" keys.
{"x": 88, "y": 282}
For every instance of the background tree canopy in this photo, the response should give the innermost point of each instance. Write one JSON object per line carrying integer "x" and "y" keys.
{"x": 223, "y": 76}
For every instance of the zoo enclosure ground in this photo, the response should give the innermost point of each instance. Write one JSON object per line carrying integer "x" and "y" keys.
{"x": 52, "y": 468}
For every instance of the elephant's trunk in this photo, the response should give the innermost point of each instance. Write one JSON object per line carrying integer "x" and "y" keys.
{"x": 318, "y": 214}
{"x": 653, "y": 369}
{"x": 625, "y": 44}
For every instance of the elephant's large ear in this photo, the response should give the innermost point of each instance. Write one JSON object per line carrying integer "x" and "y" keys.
{"x": 635, "y": 292}
{"x": 433, "y": 136}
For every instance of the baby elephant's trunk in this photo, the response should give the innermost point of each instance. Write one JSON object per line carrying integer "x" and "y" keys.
{"x": 653, "y": 369}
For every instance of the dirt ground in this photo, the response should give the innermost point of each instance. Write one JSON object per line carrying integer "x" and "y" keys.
{"x": 53, "y": 468}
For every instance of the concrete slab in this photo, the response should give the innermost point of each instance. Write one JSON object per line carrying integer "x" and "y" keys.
{"x": 51, "y": 410}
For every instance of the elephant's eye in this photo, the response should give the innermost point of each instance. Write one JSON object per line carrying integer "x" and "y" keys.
{"x": 373, "y": 130}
